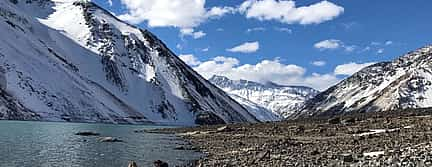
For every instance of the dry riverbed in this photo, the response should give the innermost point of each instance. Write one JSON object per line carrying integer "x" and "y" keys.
{"x": 394, "y": 138}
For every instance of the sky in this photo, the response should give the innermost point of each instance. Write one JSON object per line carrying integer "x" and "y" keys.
{"x": 311, "y": 43}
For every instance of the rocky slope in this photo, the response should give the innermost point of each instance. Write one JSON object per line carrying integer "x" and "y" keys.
{"x": 67, "y": 60}
{"x": 403, "y": 83}
{"x": 395, "y": 138}
{"x": 278, "y": 99}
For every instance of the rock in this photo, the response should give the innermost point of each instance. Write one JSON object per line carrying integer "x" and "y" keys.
{"x": 160, "y": 163}
{"x": 334, "y": 120}
{"x": 87, "y": 134}
{"x": 349, "y": 121}
{"x": 347, "y": 157}
{"x": 315, "y": 152}
{"x": 261, "y": 155}
{"x": 140, "y": 131}
{"x": 223, "y": 129}
{"x": 110, "y": 139}
{"x": 132, "y": 164}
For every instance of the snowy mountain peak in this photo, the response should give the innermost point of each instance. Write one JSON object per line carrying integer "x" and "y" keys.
{"x": 279, "y": 99}
{"x": 403, "y": 83}
{"x": 74, "y": 61}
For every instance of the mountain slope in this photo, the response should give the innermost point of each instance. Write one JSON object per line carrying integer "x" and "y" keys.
{"x": 74, "y": 61}
{"x": 281, "y": 100}
{"x": 403, "y": 83}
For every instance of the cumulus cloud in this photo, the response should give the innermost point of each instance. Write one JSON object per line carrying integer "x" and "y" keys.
{"x": 175, "y": 13}
{"x": 350, "y": 68}
{"x": 286, "y": 11}
{"x": 275, "y": 71}
{"x": 328, "y": 44}
{"x": 265, "y": 71}
{"x": 331, "y": 44}
{"x": 191, "y": 32}
{"x": 190, "y": 59}
{"x": 248, "y": 47}
{"x": 220, "y": 11}
{"x": 319, "y": 63}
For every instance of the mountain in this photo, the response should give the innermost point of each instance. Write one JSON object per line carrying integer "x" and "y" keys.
{"x": 66, "y": 60}
{"x": 400, "y": 84}
{"x": 280, "y": 100}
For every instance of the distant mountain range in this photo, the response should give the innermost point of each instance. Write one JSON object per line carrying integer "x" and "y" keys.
{"x": 279, "y": 100}
{"x": 403, "y": 83}
{"x": 65, "y": 60}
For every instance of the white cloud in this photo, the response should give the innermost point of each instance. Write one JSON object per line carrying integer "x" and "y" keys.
{"x": 331, "y": 44}
{"x": 380, "y": 51}
{"x": 283, "y": 29}
{"x": 388, "y": 42}
{"x": 350, "y": 68}
{"x": 286, "y": 11}
{"x": 255, "y": 29}
{"x": 248, "y": 47}
{"x": 220, "y": 29}
{"x": 275, "y": 71}
{"x": 328, "y": 44}
{"x": 220, "y": 11}
{"x": 264, "y": 71}
{"x": 319, "y": 63}
{"x": 171, "y": 13}
{"x": 350, "y": 48}
{"x": 191, "y": 32}
{"x": 190, "y": 59}
{"x": 110, "y": 3}
{"x": 375, "y": 43}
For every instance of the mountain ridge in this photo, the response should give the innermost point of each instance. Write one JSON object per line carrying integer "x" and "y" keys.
{"x": 107, "y": 70}
{"x": 279, "y": 99}
{"x": 399, "y": 84}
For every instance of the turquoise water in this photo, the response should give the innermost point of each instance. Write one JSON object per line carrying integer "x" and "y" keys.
{"x": 47, "y": 144}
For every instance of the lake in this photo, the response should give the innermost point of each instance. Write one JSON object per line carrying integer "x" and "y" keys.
{"x": 49, "y": 144}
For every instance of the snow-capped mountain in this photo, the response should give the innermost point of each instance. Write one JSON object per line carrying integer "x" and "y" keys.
{"x": 66, "y": 60}
{"x": 403, "y": 83}
{"x": 280, "y": 100}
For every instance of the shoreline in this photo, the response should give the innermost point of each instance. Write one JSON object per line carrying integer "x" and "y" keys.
{"x": 383, "y": 139}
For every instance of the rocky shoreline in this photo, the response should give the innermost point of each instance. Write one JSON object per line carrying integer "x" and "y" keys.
{"x": 400, "y": 138}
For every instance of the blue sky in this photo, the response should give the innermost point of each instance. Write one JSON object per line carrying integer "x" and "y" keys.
{"x": 309, "y": 42}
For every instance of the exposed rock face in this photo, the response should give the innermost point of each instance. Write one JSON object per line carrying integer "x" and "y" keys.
{"x": 74, "y": 61}
{"x": 403, "y": 83}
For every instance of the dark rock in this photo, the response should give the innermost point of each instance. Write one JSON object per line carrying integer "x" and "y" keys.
{"x": 87, "y": 133}
{"x": 347, "y": 158}
{"x": 315, "y": 152}
{"x": 334, "y": 120}
{"x": 160, "y": 163}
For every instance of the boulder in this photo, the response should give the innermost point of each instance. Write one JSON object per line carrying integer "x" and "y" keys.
{"x": 88, "y": 133}
{"x": 160, "y": 163}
